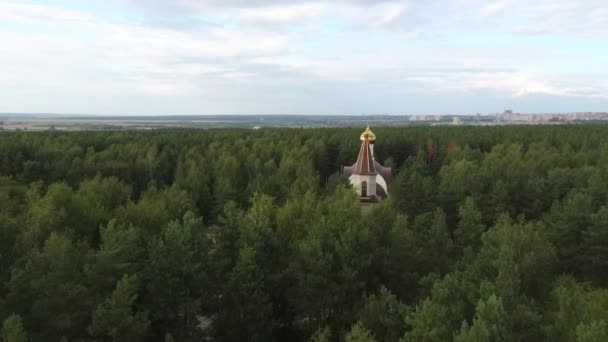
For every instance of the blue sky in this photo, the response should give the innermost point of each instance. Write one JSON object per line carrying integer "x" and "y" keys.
{"x": 303, "y": 56}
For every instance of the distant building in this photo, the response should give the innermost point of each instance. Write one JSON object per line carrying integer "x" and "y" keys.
{"x": 456, "y": 121}
{"x": 425, "y": 117}
{"x": 369, "y": 179}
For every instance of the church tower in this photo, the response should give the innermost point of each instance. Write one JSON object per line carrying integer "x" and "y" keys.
{"x": 368, "y": 178}
{"x": 364, "y": 172}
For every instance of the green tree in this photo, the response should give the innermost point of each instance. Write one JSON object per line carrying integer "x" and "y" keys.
{"x": 444, "y": 308}
{"x": 470, "y": 226}
{"x": 156, "y": 209}
{"x": 121, "y": 253}
{"x": 595, "y": 242}
{"x": 566, "y": 222}
{"x": 194, "y": 174}
{"x": 12, "y": 329}
{"x": 117, "y": 317}
{"x": 175, "y": 276}
{"x": 385, "y": 315}
{"x": 358, "y": 333}
{"x": 246, "y": 309}
{"x": 413, "y": 190}
{"x": 458, "y": 179}
{"x": 51, "y": 288}
{"x": 330, "y": 265}
{"x": 428, "y": 323}
{"x": 488, "y": 325}
{"x": 433, "y": 242}
{"x": 525, "y": 259}
{"x": 226, "y": 242}
{"x": 573, "y": 305}
{"x": 321, "y": 335}
{"x": 228, "y": 178}
{"x": 258, "y": 228}
{"x": 593, "y": 332}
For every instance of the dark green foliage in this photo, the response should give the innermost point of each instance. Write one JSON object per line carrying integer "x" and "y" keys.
{"x": 470, "y": 227}
{"x": 176, "y": 276}
{"x": 596, "y": 331}
{"x": 488, "y": 234}
{"x": 12, "y": 329}
{"x": 576, "y": 310}
{"x": 489, "y": 323}
{"x": 51, "y": 288}
{"x": 115, "y": 318}
{"x": 246, "y": 311}
{"x": 432, "y": 242}
{"x": 595, "y": 247}
{"x": 321, "y": 335}
{"x": 358, "y": 333}
{"x": 384, "y": 315}
{"x": 566, "y": 222}
{"x": 121, "y": 252}
{"x": 428, "y": 323}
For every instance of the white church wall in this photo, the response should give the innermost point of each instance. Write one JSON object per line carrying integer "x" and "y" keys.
{"x": 380, "y": 181}
{"x": 356, "y": 182}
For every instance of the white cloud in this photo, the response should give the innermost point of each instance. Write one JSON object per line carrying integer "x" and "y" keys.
{"x": 588, "y": 17}
{"x": 121, "y": 56}
{"x": 163, "y": 89}
{"x": 375, "y": 15}
{"x": 36, "y": 14}
{"x": 283, "y": 14}
{"x": 493, "y": 9}
{"x": 520, "y": 84}
{"x": 389, "y": 14}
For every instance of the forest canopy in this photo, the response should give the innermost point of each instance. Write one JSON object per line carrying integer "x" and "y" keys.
{"x": 488, "y": 234}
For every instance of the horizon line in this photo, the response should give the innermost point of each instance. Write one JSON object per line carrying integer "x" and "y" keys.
{"x": 293, "y": 114}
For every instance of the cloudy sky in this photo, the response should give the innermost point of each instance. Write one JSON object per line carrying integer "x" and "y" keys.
{"x": 303, "y": 56}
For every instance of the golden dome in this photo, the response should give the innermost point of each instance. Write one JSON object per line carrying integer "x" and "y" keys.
{"x": 370, "y": 135}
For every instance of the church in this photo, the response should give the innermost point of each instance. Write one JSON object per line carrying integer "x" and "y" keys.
{"x": 367, "y": 176}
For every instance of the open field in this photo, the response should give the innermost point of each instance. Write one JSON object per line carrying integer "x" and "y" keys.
{"x": 71, "y": 123}
{"x": 44, "y": 122}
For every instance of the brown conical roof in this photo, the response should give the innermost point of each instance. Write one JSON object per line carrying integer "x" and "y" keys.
{"x": 365, "y": 161}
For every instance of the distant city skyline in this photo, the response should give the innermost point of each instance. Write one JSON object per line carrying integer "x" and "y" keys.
{"x": 162, "y": 57}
